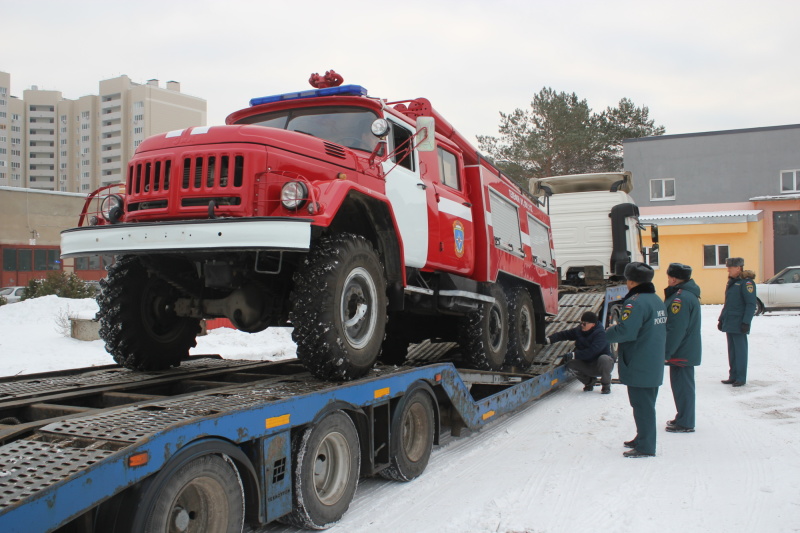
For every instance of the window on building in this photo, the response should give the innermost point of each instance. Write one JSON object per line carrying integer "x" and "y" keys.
{"x": 715, "y": 255}
{"x": 662, "y": 189}
{"x": 93, "y": 262}
{"x": 15, "y": 116}
{"x": 448, "y": 169}
{"x": 790, "y": 180}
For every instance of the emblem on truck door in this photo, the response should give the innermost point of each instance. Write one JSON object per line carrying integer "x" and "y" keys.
{"x": 458, "y": 235}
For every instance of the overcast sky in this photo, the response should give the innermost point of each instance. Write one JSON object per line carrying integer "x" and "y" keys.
{"x": 698, "y": 65}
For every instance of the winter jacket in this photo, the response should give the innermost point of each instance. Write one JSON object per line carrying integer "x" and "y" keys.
{"x": 589, "y": 345}
{"x": 641, "y": 334}
{"x": 684, "y": 345}
{"x": 740, "y": 303}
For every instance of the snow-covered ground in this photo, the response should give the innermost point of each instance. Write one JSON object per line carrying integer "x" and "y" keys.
{"x": 557, "y": 465}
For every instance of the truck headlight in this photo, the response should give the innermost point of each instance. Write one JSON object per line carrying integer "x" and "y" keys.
{"x": 294, "y": 194}
{"x": 111, "y": 208}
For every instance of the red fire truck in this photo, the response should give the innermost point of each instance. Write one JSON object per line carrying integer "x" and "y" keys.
{"x": 364, "y": 224}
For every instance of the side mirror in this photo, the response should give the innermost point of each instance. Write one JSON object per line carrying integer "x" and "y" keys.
{"x": 654, "y": 233}
{"x": 780, "y": 281}
{"x": 654, "y": 248}
{"x": 425, "y": 136}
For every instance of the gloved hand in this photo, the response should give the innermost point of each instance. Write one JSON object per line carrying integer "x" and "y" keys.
{"x": 745, "y": 328}
{"x": 719, "y": 325}
{"x": 567, "y": 357}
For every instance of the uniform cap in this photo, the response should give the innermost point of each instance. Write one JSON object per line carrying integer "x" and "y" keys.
{"x": 639, "y": 272}
{"x": 734, "y": 262}
{"x": 679, "y": 271}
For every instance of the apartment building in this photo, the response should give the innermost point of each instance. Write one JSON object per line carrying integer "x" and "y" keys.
{"x": 51, "y": 143}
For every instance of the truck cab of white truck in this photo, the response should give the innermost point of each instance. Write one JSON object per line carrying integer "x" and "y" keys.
{"x": 595, "y": 225}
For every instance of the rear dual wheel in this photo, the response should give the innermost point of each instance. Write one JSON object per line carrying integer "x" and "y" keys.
{"x": 413, "y": 428}
{"x": 327, "y": 461}
{"x": 521, "y": 329}
{"x": 484, "y": 333}
{"x": 200, "y": 495}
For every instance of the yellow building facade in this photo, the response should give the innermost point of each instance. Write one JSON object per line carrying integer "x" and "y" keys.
{"x": 703, "y": 241}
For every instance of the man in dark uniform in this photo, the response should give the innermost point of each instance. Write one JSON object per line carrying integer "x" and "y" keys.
{"x": 592, "y": 356}
{"x": 736, "y": 316}
{"x": 684, "y": 346}
{"x": 641, "y": 333}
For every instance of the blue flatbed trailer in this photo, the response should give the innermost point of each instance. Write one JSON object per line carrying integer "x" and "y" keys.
{"x": 216, "y": 444}
{"x": 112, "y": 470}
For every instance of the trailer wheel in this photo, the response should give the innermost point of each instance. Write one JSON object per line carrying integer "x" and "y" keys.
{"x": 327, "y": 461}
{"x": 339, "y": 308}
{"x": 412, "y": 437}
{"x": 521, "y": 329}
{"x": 484, "y": 333}
{"x": 201, "y": 495}
{"x": 137, "y": 319}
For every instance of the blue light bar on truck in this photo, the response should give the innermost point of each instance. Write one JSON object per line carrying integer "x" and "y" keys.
{"x": 344, "y": 90}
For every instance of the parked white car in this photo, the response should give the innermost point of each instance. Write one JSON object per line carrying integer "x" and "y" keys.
{"x": 12, "y": 294}
{"x": 782, "y": 291}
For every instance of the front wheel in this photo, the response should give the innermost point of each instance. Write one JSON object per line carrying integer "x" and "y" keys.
{"x": 327, "y": 460}
{"x": 339, "y": 308}
{"x": 759, "y": 307}
{"x": 138, "y": 321}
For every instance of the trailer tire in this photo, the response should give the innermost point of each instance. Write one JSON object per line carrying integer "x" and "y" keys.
{"x": 137, "y": 321}
{"x": 339, "y": 308}
{"x": 484, "y": 333}
{"x": 202, "y": 494}
{"x": 521, "y": 329}
{"x": 327, "y": 462}
{"x": 412, "y": 437}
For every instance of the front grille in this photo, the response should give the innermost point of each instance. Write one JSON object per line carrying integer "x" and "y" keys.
{"x": 200, "y": 178}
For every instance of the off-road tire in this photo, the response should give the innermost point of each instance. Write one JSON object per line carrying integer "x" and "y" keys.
{"x": 339, "y": 308}
{"x": 483, "y": 334}
{"x": 137, "y": 322}
{"x": 521, "y": 329}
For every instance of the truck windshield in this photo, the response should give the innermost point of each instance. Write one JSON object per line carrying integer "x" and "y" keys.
{"x": 348, "y": 126}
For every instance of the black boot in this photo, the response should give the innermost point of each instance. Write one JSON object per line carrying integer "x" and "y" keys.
{"x": 728, "y": 381}
{"x": 589, "y": 386}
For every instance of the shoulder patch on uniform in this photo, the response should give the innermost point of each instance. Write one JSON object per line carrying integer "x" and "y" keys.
{"x": 675, "y": 307}
{"x": 625, "y": 314}
{"x": 750, "y": 287}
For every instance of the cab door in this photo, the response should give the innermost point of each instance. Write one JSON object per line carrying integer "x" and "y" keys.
{"x": 408, "y": 195}
{"x": 454, "y": 250}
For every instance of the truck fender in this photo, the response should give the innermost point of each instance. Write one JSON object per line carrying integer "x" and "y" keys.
{"x": 373, "y": 218}
{"x": 121, "y": 509}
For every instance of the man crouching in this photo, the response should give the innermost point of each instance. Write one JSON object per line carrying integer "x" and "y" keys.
{"x": 591, "y": 358}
